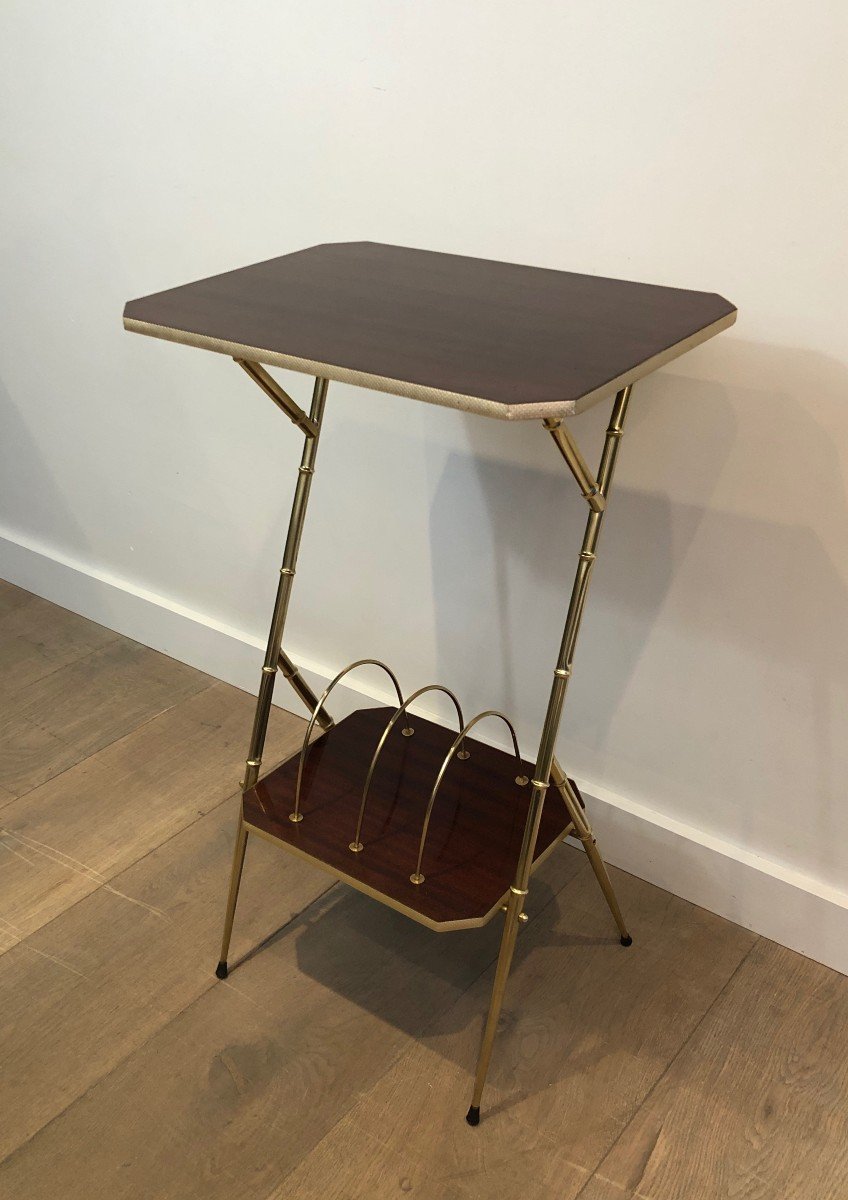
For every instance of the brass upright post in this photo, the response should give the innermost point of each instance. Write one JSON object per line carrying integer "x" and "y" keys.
{"x": 274, "y": 658}
{"x": 544, "y": 759}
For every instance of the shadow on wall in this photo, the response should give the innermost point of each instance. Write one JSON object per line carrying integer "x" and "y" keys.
{"x": 728, "y": 508}
{"x": 505, "y": 538}
{"x": 725, "y": 547}
{"x": 27, "y": 481}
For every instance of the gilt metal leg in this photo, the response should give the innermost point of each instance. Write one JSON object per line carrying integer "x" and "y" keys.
{"x": 235, "y": 879}
{"x": 304, "y": 692}
{"x": 287, "y": 572}
{"x": 596, "y": 496}
{"x": 275, "y": 658}
{"x": 583, "y": 831}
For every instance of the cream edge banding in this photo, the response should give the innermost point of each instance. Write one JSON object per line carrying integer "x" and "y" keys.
{"x": 429, "y": 395}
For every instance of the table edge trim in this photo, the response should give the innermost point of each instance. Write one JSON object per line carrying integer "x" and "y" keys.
{"x": 536, "y": 410}
{"x": 397, "y": 905}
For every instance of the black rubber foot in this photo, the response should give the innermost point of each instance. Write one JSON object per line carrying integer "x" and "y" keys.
{"x": 473, "y": 1115}
{"x": 627, "y": 941}
{"x": 221, "y": 970}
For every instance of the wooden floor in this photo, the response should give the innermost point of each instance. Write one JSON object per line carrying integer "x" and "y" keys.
{"x": 335, "y": 1061}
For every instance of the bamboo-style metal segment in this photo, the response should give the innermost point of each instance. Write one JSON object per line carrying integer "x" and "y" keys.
{"x": 570, "y": 451}
{"x": 281, "y": 603}
{"x": 583, "y": 831}
{"x": 408, "y": 731}
{"x": 416, "y": 877}
{"x": 280, "y": 396}
{"x": 544, "y": 758}
{"x": 292, "y": 673}
{"x": 356, "y": 845}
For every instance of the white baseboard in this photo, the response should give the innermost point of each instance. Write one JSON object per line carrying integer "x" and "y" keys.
{"x": 780, "y": 903}
{"x": 793, "y": 909}
{"x": 183, "y": 633}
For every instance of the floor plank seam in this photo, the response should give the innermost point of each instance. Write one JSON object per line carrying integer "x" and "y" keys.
{"x": 363, "y": 1096}
{"x": 71, "y": 663}
{"x": 595, "y": 1173}
{"x": 108, "y": 881}
{"x": 213, "y": 982}
{"x": 106, "y": 745}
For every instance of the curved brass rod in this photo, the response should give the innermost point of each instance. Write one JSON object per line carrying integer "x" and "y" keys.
{"x": 520, "y": 779}
{"x": 297, "y": 815}
{"x": 356, "y": 844}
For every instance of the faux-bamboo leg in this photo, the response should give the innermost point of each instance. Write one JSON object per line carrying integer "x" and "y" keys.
{"x": 544, "y": 760}
{"x": 235, "y": 879}
{"x": 287, "y": 572}
{"x": 583, "y": 830}
{"x": 273, "y": 653}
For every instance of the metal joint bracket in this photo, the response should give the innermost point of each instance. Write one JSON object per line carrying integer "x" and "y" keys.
{"x": 280, "y": 397}
{"x": 576, "y": 464}
{"x": 301, "y": 688}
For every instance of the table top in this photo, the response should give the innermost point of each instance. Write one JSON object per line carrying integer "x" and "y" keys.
{"x": 499, "y": 339}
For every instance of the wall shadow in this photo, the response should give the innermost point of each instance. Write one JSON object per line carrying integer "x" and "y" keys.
{"x": 27, "y": 482}
{"x": 727, "y": 535}
{"x": 725, "y": 544}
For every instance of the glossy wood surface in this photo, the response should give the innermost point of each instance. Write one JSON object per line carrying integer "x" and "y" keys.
{"x": 475, "y": 828}
{"x": 499, "y": 332}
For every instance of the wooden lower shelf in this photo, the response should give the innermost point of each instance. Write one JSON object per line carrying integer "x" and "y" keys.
{"x": 475, "y": 829}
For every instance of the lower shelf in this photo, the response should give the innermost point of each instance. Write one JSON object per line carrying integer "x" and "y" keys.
{"x": 475, "y": 830}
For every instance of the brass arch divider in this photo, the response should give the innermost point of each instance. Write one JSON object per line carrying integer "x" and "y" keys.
{"x": 408, "y": 731}
{"x": 356, "y": 845}
{"x": 520, "y": 779}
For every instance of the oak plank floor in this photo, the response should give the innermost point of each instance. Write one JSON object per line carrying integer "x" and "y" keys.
{"x": 70, "y": 836}
{"x": 759, "y": 1095}
{"x": 587, "y": 1031}
{"x": 38, "y": 638}
{"x": 108, "y": 694}
{"x": 335, "y": 1061}
{"x": 108, "y": 973}
{"x": 11, "y": 596}
{"x": 246, "y": 1081}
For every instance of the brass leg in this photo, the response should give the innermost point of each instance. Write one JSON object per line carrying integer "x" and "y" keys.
{"x": 274, "y": 657}
{"x": 599, "y": 867}
{"x": 235, "y": 879}
{"x": 583, "y": 830}
{"x": 303, "y": 690}
{"x": 281, "y": 604}
{"x": 596, "y": 497}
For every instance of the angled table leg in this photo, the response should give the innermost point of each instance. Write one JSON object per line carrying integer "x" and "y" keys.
{"x": 596, "y": 494}
{"x": 275, "y": 659}
{"x": 583, "y": 831}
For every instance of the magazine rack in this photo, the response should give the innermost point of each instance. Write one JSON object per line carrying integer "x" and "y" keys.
{"x": 426, "y": 819}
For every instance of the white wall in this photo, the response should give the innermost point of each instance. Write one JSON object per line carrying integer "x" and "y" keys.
{"x": 694, "y": 145}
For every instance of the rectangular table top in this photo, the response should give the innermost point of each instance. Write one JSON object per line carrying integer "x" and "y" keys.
{"x": 494, "y": 338}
